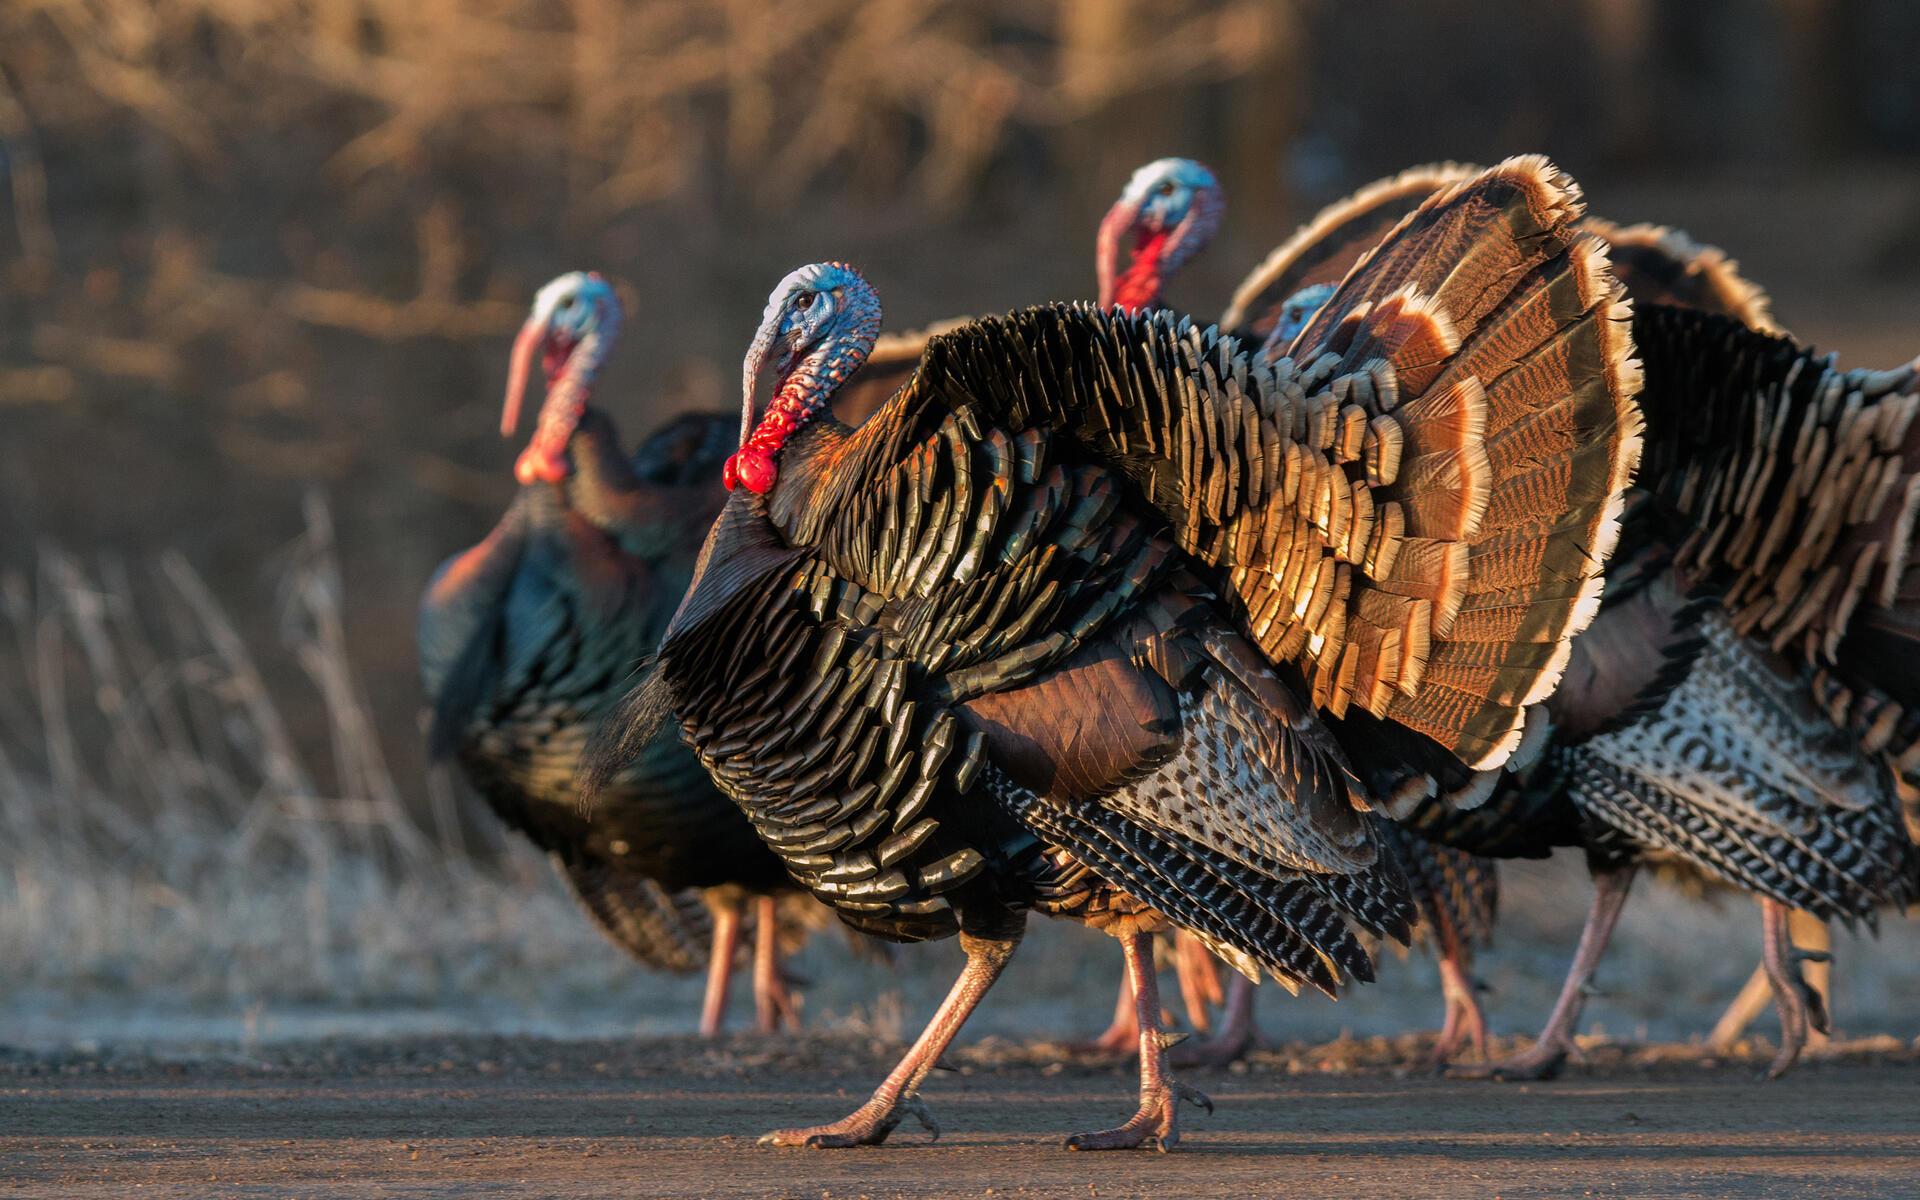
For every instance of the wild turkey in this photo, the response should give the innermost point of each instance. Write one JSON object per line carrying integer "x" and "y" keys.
{"x": 1663, "y": 266}
{"x": 526, "y": 640}
{"x": 1100, "y": 617}
{"x": 1275, "y": 302}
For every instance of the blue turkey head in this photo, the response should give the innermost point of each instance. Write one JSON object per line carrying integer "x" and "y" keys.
{"x": 1296, "y": 314}
{"x": 820, "y": 323}
{"x": 1171, "y": 208}
{"x": 572, "y": 327}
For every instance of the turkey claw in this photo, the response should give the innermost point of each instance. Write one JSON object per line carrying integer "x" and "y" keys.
{"x": 1193, "y": 1096}
{"x": 918, "y": 1109}
{"x": 1156, "y": 1124}
{"x": 867, "y": 1126}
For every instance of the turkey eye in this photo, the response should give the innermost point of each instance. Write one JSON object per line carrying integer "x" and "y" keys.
{"x": 803, "y": 301}
{"x": 566, "y": 302}
{"x": 1165, "y": 188}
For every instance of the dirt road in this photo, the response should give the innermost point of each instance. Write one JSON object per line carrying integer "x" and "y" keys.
{"x": 527, "y": 1117}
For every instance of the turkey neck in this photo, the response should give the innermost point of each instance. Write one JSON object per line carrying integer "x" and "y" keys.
{"x": 569, "y": 393}
{"x": 1139, "y": 286}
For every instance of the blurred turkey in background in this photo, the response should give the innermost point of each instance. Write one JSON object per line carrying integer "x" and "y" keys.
{"x": 261, "y": 261}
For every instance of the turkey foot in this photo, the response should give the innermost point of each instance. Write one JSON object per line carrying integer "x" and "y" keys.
{"x": 1156, "y": 1123}
{"x": 1800, "y": 1005}
{"x": 1543, "y": 1060}
{"x": 897, "y": 1096}
{"x": 1235, "y": 1038}
{"x": 1550, "y": 1050}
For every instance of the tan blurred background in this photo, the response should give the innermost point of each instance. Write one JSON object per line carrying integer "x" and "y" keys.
{"x": 260, "y": 259}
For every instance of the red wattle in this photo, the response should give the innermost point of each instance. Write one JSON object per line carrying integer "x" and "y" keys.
{"x": 751, "y": 467}
{"x": 1139, "y": 285}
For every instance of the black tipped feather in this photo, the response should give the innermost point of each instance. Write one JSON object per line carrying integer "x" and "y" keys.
{"x": 627, "y": 730}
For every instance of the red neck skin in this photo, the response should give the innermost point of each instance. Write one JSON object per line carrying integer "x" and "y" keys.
{"x": 1138, "y": 287}
{"x": 799, "y": 399}
{"x": 570, "y": 370}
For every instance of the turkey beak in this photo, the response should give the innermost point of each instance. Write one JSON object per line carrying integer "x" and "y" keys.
{"x": 533, "y": 335}
{"x": 1119, "y": 222}
{"x": 756, "y": 363}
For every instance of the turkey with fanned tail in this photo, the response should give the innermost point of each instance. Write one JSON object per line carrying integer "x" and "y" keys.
{"x": 1063, "y": 625}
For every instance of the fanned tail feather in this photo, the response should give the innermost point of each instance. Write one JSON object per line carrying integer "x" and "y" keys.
{"x": 1324, "y": 249}
{"x": 626, "y": 731}
{"x": 1513, "y": 448}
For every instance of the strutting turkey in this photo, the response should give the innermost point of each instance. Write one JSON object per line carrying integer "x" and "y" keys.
{"x": 528, "y": 638}
{"x": 1676, "y": 741}
{"x": 1100, "y": 617}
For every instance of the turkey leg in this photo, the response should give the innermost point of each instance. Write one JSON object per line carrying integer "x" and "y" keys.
{"x": 1549, "y": 1051}
{"x": 898, "y": 1094}
{"x": 1799, "y": 1005}
{"x": 773, "y": 1004}
{"x": 1199, "y": 973}
{"x": 1746, "y": 1006}
{"x": 1809, "y": 933}
{"x": 1156, "y": 1123}
{"x": 1466, "y": 1022}
{"x": 726, "y": 941}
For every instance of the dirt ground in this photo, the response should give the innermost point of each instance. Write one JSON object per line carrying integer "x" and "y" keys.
{"x": 668, "y": 1117}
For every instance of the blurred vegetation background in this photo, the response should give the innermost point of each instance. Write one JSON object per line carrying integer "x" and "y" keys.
{"x": 260, "y": 259}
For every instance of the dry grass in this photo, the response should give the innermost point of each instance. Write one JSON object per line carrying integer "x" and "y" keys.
{"x": 164, "y": 836}
{"x": 214, "y": 209}
{"x": 396, "y": 145}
